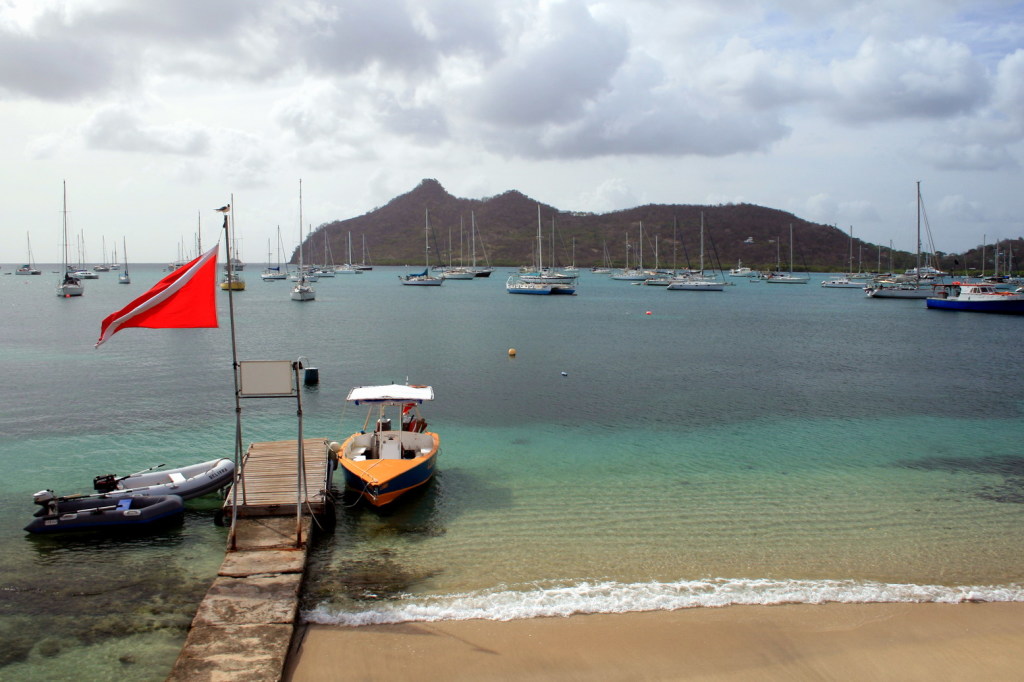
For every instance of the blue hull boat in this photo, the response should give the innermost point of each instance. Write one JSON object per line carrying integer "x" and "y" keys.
{"x": 102, "y": 513}
{"x": 977, "y": 297}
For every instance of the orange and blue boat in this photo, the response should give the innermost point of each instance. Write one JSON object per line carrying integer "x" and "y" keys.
{"x": 394, "y": 453}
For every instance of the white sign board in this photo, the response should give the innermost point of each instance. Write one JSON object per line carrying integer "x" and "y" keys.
{"x": 265, "y": 378}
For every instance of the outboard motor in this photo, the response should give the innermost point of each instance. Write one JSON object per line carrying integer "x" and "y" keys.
{"x": 48, "y": 501}
{"x": 105, "y": 483}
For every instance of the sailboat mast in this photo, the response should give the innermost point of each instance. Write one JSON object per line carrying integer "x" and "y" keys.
{"x": 917, "y": 269}
{"x": 64, "y": 213}
{"x": 675, "y": 225}
{"x": 984, "y": 239}
{"x": 702, "y": 242}
{"x": 640, "y": 252}
{"x": 851, "y": 249}
{"x": 540, "y": 241}
{"x": 791, "y": 248}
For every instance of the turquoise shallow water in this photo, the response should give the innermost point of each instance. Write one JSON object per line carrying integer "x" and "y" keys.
{"x": 759, "y": 445}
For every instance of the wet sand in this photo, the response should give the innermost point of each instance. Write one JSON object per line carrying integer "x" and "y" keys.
{"x": 789, "y": 642}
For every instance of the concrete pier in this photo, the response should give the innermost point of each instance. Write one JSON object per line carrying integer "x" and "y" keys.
{"x": 243, "y": 627}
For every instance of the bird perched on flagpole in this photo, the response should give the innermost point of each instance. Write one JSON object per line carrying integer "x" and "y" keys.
{"x": 224, "y": 209}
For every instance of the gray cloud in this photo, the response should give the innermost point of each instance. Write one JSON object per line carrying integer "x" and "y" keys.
{"x": 120, "y": 129}
{"x": 53, "y": 69}
{"x": 556, "y": 80}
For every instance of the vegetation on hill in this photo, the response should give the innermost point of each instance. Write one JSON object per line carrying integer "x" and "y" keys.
{"x": 507, "y": 229}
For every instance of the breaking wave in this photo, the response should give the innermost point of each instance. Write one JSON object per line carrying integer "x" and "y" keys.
{"x": 533, "y": 601}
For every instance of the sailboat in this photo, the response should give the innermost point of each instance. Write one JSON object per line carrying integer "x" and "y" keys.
{"x": 365, "y": 264}
{"x": 102, "y": 267}
{"x": 788, "y": 278}
{"x": 123, "y": 277}
{"x": 28, "y": 268}
{"x": 637, "y": 272}
{"x": 688, "y": 282}
{"x": 273, "y": 273}
{"x": 81, "y": 271}
{"x": 846, "y": 281}
{"x": 477, "y": 271}
{"x": 905, "y": 289}
{"x": 565, "y": 281}
{"x": 606, "y": 263}
{"x": 69, "y": 285}
{"x": 114, "y": 264}
{"x": 303, "y": 290}
{"x": 327, "y": 269}
{"x": 540, "y": 282}
{"x": 348, "y": 268}
{"x": 572, "y": 267}
{"x": 459, "y": 271}
{"x": 423, "y": 279}
{"x": 233, "y": 265}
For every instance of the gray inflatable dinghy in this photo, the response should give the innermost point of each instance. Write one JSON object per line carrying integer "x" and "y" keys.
{"x": 102, "y": 513}
{"x": 187, "y": 482}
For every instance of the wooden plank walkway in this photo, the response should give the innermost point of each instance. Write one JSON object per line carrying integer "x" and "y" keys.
{"x": 269, "y": 479}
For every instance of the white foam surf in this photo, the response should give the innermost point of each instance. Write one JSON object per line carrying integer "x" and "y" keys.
{"x": 508, "y": 603}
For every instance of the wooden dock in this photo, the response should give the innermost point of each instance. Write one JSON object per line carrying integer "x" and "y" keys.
{"x": 269, "y": 479}
{"x": 243, "y": 628}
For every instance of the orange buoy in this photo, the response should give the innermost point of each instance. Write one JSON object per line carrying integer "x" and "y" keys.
{"x": 511, "y": 352}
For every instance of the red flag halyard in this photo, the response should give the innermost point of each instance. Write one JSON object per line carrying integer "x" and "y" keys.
{"x": 186, "y": 298}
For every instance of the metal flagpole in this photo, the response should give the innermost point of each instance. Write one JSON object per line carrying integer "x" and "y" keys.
{"x": 234, "y": 373}
{"x": 300, "y": 483}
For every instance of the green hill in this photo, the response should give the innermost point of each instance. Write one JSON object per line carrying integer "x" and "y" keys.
{"x": 507, "y": 228}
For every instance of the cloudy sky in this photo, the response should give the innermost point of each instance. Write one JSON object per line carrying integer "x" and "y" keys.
{"x": 155, "y": 113}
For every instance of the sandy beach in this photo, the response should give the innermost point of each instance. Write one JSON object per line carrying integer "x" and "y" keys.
{"x": 792, "y": 642}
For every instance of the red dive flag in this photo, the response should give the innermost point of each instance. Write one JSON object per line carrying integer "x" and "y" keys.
{"x": 186, "y": 298}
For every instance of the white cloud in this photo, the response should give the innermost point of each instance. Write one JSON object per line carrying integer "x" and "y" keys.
{"x": 916, "y": 78}
{"x": 611, "y": 195}
{"x": 759, "y": 78}
{"x": 1008, "y": 96}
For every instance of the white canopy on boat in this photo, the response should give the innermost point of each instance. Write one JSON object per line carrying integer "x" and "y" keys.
{"x": 395, "y": 393}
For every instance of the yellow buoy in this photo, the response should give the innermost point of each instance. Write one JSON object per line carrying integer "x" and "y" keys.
{"x": 511, "y": 352}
